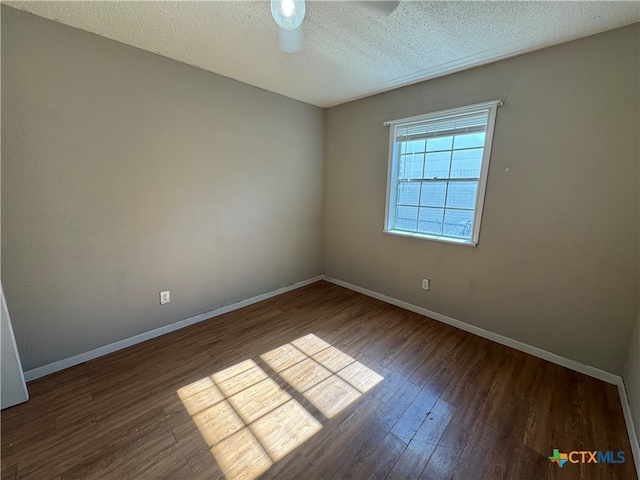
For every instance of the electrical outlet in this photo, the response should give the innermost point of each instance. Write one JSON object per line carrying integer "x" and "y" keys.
{"x": 425, "y": 284}
{"x": 165, "y": 297}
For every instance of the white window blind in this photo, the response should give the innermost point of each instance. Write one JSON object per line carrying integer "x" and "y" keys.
{"x": 438, "y": 167}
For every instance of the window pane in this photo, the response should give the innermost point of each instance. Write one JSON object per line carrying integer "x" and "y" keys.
{"x": 413, "y": 165}
{"x": 415, "y": 146}
{"x": 440, "y": 143}
{"x": 458, "y": 223}
{"x": 466, "y": 163}
{"x": 407, "y": 218}
{"x": 408, "y": 193}
{"x": 462, "y": 194}
{"x": 437, "y": 165}
{"x": 469, "y": 140}
{"x": 431, "y": 220}
{"x": 433, "y": 194}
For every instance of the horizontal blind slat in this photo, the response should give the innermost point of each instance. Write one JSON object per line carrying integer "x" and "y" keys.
{"x": 471, "y": 123}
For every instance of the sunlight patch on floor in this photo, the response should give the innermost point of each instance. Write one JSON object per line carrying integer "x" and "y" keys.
{"x": 250, "y": 422}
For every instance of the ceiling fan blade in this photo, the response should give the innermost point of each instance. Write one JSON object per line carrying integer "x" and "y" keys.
{"x": 381, "y": 5}
{"x": 291, "y": 40}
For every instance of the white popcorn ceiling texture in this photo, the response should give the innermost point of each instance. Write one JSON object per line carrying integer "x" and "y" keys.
{"x": 351, "y": 49}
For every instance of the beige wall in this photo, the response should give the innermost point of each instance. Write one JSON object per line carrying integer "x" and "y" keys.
{"x": 557, "y": 262}
{"x": 126, "y": 173}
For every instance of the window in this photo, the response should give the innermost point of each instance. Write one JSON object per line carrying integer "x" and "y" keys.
{"x": 438, "y": 166}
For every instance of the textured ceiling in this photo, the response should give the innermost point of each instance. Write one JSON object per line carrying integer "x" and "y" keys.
{"x": 351, "y": 49}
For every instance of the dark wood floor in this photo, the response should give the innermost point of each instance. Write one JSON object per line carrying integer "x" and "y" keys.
{"x": 452, "y": 405}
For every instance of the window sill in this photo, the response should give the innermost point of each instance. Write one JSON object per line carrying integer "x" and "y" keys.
{"x": 435, "y": 238}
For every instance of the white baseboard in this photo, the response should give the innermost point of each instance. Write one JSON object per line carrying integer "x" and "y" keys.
{"x": 481, "y": 332}
{"x": 523, "y": 347}
{"x": 127, "y": 342}
{"x": 628, "y": 420}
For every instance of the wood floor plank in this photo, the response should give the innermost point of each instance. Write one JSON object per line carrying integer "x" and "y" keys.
{"x": 203, "y": 465}
{"x": 410, "y": 421}
{"x": 501, "y": 388}
{"x": 381, "y": 460}
{"x": 49, "y": 447}
{"x": 17, "y": 441}
{"x": 431, "y": 364}
{"x": 468, "y": 367}
{"x": 337, "y": 434}
{"x": 475, "y": 455}
{"x": 441, "y": 464}
{"x": 368, "y": 440}
{"x": 459, "y": 429}
{"x": 9, "y": 471}
{"x": 451, "y": 405}
{"x": 540, "y": 424}
{"x": 138, "y": 460}
{"x": 162, "y": 470}
{"x": 435, "y": 423}
{"x": 506, "y": 463}
{"x": 293, "y": 467}
{"x": 390, "y": 386}
{"x": 509, "y": 454}
{"x": 412, "y": 461}
{"x": 98, "y": 447}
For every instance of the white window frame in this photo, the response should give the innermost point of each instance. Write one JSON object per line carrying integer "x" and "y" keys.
{"x": 392, "y": 170}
